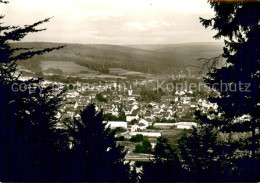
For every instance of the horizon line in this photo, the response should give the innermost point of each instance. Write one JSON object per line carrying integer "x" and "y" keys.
{"x": 205, "y": 42}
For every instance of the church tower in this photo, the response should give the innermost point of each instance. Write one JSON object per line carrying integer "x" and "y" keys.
{"x": 130, "y": 91}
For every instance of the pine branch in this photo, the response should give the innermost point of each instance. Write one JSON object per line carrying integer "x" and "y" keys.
{"x": 5, "y": 2}
{"x": 19, "y": 33}
{"x": 210, "y": 63}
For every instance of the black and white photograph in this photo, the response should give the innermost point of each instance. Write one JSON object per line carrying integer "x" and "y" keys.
{"x": 130, "y": 91}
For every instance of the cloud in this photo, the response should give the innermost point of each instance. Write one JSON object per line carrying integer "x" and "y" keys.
{"x": 135, "y": 26}
{"x": 112, "y": 21}
{"x": 92, "y": 15}
{"x": 153, "y": 24}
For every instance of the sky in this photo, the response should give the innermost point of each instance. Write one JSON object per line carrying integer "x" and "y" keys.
{"x": 117, "y": 22}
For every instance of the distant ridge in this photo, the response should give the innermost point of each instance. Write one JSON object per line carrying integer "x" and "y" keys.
{"x": 157, "y": 59}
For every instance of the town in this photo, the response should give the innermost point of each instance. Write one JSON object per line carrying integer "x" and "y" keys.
{"x": 135, "y": 107}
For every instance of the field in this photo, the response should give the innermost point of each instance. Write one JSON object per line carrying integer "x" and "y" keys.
{"x": 124, "y": 72}
{"x": 66, "y": 67}
{"x": 173, "y": 135}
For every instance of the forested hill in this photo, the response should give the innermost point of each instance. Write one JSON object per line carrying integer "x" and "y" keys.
{"x": 157, "y": 59}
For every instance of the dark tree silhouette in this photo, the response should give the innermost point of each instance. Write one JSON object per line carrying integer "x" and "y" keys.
{"x": 203, "y": 157}
{"x": 236, "y": 83}
{"x": 165, "y": 167}
{"x": 95, "y": 156}
{"x": 30, "y": 143}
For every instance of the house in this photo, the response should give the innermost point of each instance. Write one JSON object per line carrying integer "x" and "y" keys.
{"x": 134, "y": 107}
{"x": 186, "y": 100}
{"x": 131, "y": 98}
{"x": 146, "y": 123}
{"x": 170, "y": 111}
{"x": 141, "y": 126}
{"x": 147, "y": 134}
{"x": 154, "y": 104}
{"x": 58, "y": 115}
{"x": 77, "y": 116}
{"x": 116, "y": 124}
{"x": 182, "y": 93}
{"x": 167, "y": 98}
{"x": 164, "y": 125}
{"x": 76, "y": 105}
{"x": 84, "y": 101}
{"x": 124, "y": 134}
{"x": 72, "y": 94}
{"x": 136, "y": 127}
{"x": 132, "y": 116}
{"x": 70, "y": 114}
{"x": 185, "y": 125}
{"x": 133, "y": 128}
{"x": 193, "y": 105}
{"x": 190, "y": 92}
{"x": 161, "y": 110}
{"x": 165, "y": 115}
{"x": 115, "y": 110}
{"x": 148, "y": 115}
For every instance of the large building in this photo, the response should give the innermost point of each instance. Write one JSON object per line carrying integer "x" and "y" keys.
{"x": 116, "y": 124}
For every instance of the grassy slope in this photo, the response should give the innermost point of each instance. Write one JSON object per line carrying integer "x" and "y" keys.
{"x": 159, "y": 59}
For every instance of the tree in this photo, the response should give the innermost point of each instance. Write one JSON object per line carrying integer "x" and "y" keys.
{"x": 150, "y": 95}
{"x": 100, "y": 98}
{"x": 133, "y": 122}
{"x": 95, "y": 154}
{"x": 110, "y": 117}
{"x": 138, "y": 148}
{"x": 236, "y": 81}
{"x": 122, "y": 116}
{"x": 165, "y": 167}
{"x": 30, "y": 143}
{"x": 146, "y": 146}
{"x": 198, "y": 152}
{"x": 137, "y": 138}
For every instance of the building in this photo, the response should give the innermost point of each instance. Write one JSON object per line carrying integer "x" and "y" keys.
{"x": 116, "y": 124}
{"x": 132, "y": 116}
{"x": 164, "y": 125}
{"x": 145, "y": 122}
{"x": 147, "y": 134}
{"x": 185, "y": 125}
{"x": 168, "y": 98}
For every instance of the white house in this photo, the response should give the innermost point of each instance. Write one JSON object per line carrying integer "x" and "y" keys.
{"x": 136, "y": 127}
{"x": 144, "y": 122}
{"x": 132, "y": 117}
{"x": 147, "y": 134}
{"x": 76, "y": 105}
{"x": 154, "y": 104}
{"x": 116, "y": 124}
{"x": 185, "y": 125}
{"x": 72, "y": 94}
{"x": 77, "y": 116}
{"x": 182, "y": 93}
{"x": 141, "y": 126}
{"x": 58, "y": 115}
{"x": 164, "y": 125}
{"x": 134, "y": 107}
